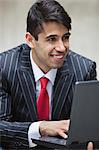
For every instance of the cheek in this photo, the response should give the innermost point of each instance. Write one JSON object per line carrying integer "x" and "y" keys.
{"x": 67, "y": 45}
{"x": 49, "y": 49}
{"x": 45, "y": 51}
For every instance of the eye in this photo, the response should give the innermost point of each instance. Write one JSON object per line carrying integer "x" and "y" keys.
{"x": 66, "y": 37}
{"x": 52, "y": 39}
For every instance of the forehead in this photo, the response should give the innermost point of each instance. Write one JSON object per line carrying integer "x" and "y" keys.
{"x": 50, "y": 28}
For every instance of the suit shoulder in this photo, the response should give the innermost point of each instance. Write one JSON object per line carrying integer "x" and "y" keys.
{"x": 14, "y": 50}
{"x": 78, "y": 57}
{"x": 81, "y": 66}
{"x": 11, "y": 57}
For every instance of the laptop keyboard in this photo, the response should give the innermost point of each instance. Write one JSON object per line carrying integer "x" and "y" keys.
{"x": 56, "y": 140}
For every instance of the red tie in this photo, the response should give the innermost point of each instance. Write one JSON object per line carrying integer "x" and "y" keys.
{"x": 43, "y": 101}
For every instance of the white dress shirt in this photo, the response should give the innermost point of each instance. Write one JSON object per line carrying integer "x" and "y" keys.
{"x": 34, "y": 127}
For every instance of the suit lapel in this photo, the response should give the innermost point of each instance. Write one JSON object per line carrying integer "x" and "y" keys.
{"x": 27, "y": 82}
{"x": 62, "y": 85}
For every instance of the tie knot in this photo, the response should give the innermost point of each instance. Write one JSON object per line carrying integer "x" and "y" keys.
{"x": 44, "y": 82}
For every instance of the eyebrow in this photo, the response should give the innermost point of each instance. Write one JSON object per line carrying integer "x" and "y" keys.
{"x": 54, "y": 35}
{"x": 51, "y": 36}
{"x": 67, "y": 34}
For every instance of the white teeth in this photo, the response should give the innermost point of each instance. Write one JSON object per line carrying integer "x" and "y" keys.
{"x": 59, "y": 56}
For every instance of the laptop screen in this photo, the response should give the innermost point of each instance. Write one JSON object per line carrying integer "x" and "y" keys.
{"x": 84, "y": 119}
{"x": 84, "y": 124}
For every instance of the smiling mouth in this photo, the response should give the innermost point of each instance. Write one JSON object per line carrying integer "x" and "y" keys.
{"x": 58, "y": 57}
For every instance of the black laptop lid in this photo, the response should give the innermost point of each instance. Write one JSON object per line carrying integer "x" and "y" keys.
{"x": 84, "y": 124}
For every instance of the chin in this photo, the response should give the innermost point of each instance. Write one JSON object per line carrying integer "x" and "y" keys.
{"x": 57, "y": 66}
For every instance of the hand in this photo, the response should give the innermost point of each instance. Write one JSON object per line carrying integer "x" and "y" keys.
{"x": 54, "y": 128}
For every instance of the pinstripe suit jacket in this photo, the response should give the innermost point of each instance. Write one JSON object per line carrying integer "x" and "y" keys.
{"x": 18, "y": 94}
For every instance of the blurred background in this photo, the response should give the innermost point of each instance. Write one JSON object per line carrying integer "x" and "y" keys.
{"x": 85, "y": 25}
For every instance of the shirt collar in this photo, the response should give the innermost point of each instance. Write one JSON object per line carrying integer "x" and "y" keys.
{"x": 38, "y": 72}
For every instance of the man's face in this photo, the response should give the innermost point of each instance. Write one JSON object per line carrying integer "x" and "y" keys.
{"x": 52, "y": 46}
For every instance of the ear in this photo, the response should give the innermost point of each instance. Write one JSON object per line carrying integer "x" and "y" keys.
{"x": 30, "y": 40}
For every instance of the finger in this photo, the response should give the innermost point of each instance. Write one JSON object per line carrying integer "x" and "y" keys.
{"x": 90, "y": 146}
{"x": 63, "y": 134}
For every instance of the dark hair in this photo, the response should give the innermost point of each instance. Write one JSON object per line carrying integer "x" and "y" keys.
{"x": 44, "y": 11}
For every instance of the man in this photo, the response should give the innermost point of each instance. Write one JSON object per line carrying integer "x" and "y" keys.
{"x": 46, "y": 54}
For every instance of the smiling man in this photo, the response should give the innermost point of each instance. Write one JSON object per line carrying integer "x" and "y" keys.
{"x": 37, "y": 79}
{"x": 52, "y": 46}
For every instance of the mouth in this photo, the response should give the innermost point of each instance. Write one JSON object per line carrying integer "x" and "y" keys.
{"x": 58, "y": 57}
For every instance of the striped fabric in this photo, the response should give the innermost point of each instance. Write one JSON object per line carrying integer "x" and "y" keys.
{"x": 18, "y": 93}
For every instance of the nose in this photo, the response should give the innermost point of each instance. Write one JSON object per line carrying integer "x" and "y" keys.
{"x": 60, "y": 46}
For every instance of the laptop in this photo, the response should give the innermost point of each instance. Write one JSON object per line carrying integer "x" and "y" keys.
{"x": 84, "y": 119}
